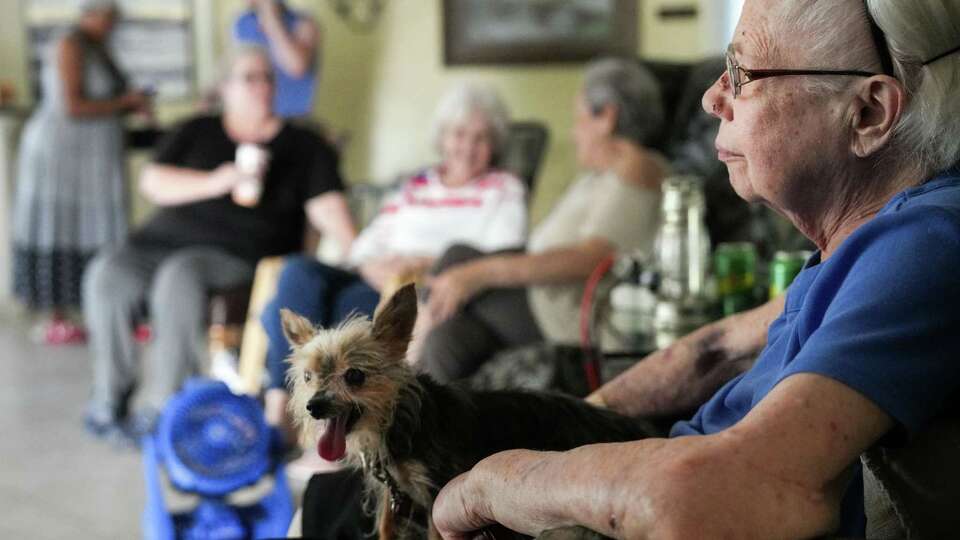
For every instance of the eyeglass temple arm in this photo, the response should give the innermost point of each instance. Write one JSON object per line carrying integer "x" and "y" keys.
{"x": 754, "y": 74}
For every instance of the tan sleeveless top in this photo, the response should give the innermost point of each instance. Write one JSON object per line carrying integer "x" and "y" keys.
{"x": 598, "y": 205}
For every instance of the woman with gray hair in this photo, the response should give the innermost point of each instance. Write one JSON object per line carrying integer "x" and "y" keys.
{"x": 842, "y": 116}
{"x": 464, "y": 199}
{"x": 480, "y": 305}
{"x": 71, "y": 185}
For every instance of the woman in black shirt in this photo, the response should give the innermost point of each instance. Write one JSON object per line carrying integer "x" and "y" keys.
{"x": 202, "y": 239}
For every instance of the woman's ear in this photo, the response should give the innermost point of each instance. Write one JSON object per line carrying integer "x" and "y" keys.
{"x": 877, "y": 108}
{"x": 607, "y": 115}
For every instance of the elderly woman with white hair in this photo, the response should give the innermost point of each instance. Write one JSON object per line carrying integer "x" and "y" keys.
{"x": 482, "y": 303}
{"x": 465, "y": 199}
{"x": 72, "y": 196}
{"x": 841, "y": 115}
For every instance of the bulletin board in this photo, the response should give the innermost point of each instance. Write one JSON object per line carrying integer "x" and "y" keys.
{"x": 153, "y": 43}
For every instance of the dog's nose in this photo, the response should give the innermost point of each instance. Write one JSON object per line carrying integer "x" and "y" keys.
{"x": 319, "y": 406}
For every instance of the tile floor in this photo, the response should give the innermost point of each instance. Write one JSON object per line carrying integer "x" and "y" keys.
{"x": 55, "y": 481}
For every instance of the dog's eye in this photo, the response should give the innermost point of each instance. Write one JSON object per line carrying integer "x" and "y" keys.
{"x": 354, "y": 377}
{"x": 307, "y": 376}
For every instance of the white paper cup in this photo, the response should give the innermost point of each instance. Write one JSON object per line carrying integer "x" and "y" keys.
{"x": 252, "y": 161}
{"x": 247, "y": 192}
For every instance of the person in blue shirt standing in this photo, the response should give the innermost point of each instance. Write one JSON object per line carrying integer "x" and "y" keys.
{"x": 293, "y": 39}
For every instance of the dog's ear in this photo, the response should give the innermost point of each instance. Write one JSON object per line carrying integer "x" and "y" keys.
{"x": 393, "y": 323}
{"x": 297, "y": 329}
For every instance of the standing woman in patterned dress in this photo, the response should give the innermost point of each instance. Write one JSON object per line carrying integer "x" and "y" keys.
{"x": 71, "y": 185}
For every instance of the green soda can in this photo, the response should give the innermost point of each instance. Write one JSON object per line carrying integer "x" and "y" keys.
{"x": 735, "y": 266}
{"x": 785, "y": 266}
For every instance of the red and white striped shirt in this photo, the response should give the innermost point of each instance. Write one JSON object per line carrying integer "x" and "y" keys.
{"x": 425, "y": 217}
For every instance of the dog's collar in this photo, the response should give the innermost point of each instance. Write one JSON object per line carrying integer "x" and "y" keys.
{"x": 400, "y": 503}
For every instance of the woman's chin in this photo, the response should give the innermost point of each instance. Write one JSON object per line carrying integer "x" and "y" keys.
{"x": 742, "y": 187}
{"x": 464, "y": 173}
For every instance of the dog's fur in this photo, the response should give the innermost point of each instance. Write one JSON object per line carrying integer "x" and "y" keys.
{"x": 421, "y": 432}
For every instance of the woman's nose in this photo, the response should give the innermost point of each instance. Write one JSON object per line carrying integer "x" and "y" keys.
{"x": 715, "y": 100}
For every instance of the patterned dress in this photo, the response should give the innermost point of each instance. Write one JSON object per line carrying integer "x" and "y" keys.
{"x": 71, "y": 193}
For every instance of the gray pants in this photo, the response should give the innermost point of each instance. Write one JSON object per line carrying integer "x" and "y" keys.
{"x": 496, "y": 320}
{"x": 174, "y": 286}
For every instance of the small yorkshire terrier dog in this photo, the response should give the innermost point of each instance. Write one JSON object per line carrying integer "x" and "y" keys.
{"x": 356, "y": 398}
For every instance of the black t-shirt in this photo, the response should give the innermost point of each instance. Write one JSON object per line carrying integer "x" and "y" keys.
{"x": 302, "y": 166}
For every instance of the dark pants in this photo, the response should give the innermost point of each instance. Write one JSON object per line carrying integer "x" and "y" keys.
{"x": 496, "y": 320}
{"x": 333, "y": 508}
{"x": 323, "y": 294}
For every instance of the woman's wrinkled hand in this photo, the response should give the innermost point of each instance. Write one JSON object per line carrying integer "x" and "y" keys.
{"x": 482, "y": 499}
{"x": 452, "y": 289}
{"x": 380, "y": 272}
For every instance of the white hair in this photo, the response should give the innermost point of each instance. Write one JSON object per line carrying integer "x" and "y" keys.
{"x": 633, "y": 90}
{"x": 917, "y": 31}
{"x": 465, "y": 99}
{"x": 832, "y": 34}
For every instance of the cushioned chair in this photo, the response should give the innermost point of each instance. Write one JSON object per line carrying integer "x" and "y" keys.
{"x": 524, "y": 150}
{"x": 912, "y": 489}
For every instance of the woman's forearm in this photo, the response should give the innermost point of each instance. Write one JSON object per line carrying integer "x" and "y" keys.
{"x": 329, "y": 213}
{"x": 607, "y": 488}
{"x": 555, "y": 266}
{"x": 684, "y": 375}
{"x": 80, "y": 107}
{"x": 294, "y": 51}
{"x": 780, "y": 472}
{"x": 165, "y": 185}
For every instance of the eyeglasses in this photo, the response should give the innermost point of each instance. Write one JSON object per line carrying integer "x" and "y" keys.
{"x": 739, "y": 75}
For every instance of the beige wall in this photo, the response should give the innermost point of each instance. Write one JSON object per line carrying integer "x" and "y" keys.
{"x": 380, "y": 87}
{"x": 13, "y": 57}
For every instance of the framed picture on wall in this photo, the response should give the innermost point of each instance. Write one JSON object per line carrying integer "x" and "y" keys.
{"x": 537, "y": 31}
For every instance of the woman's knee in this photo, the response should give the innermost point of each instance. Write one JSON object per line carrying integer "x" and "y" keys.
{"x": 177, "y": 272}
{"x": 271, "y": 321}
{"x": 454, "y": 255}
{"x": 109, "y": 276}
{"x": 447, "y": 351}
{"x": 299, "y": 270}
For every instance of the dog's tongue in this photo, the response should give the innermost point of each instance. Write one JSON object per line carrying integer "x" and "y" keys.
{"x": 333, "y": 440}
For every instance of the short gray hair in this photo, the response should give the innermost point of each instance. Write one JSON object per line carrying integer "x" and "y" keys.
{"x": 235, "y": 53}
{"x": 632, "y": 90}
{"x": 88, "y": 6}
{"x": 465, "y": 99}
{"x": 917, "y": 30}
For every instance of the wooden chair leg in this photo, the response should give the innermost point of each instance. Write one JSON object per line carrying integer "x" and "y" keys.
{"x": 253, "y": 347}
